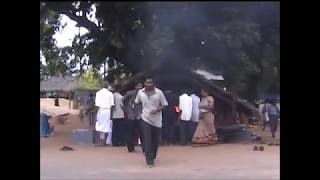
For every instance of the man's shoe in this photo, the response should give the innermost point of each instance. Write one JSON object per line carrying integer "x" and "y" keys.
{"x": 150, "y": 165}
{"x": 261, "y": 148}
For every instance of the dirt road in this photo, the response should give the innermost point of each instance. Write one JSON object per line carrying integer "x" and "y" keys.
{"x": 221, "y": 162}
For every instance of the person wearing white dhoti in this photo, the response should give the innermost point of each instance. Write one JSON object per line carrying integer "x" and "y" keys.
{"x": 104, "y": 101}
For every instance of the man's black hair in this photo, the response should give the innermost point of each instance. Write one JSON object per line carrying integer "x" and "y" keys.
{"x": 267, "y": 100}
{"x": 138, "y": 82}
{"x": 185, "y": 91}
{"x": 105, "y": 84}
{"x": 206, "y": 89}
{"x": 117, "y": 87}
{"x": 273, "y": 101}
{"x": 148, "y": 77}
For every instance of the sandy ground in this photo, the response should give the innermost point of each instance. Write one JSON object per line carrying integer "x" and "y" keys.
{"x": 221, "y": 162}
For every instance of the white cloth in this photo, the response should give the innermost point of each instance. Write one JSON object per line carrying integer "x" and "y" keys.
{"x": 185, "y": 105}
{"x": 150, "y": 103}
{"x": 278, "y": 105}
{"x": 117, "y": 110}
{"x": 266, "y": 117}
{"x": 104, "y": 99}
{"x": 109, "y": 138}
{"x": 261, "y": 107}
{"x": 43, "y": 110}
{"x": 195, "y": 108}
{"x": 103, "y": 124}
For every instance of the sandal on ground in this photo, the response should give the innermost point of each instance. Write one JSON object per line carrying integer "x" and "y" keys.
{"x": 66, "y": 148}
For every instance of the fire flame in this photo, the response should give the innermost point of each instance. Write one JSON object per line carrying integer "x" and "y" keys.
{"x": 177, "y": 109}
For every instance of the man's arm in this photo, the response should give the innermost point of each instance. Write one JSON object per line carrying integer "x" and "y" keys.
{"x": 163, "y": 102}
{"x": 112, "y": 99}
{"x": 111, "y": 112}
{"x": 111, "y": 105}
{"x": 125, "y": 98}
{"x": 121, "y": 104}
{"x": 179, "y": 102}
{"x": 180, "y": 107}
{"x": 96, "y": 101}
{"x": 264, "y": 109}
{"x": 138, "y": 98}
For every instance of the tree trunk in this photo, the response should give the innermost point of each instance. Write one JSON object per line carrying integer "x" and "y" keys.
{"x": 69, "y": 100}
{"x": 81, "y": 68}
{"x": 104, "y": 69}
{"x": 234, "y": 109}
{"x": 234, "y": 106}
{"x": 56, "y": 99}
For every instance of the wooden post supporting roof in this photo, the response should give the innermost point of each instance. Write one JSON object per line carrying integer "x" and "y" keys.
{"x": 234, "y": 108}
{"x": 69, "y": 100}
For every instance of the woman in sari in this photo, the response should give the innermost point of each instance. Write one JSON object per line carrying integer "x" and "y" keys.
{"x": 205, "y": 133}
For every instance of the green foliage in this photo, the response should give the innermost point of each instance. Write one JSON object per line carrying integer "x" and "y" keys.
{"x": 55, "y": 58}
{"x": 242, "y": 39}
{"x": 43, "y": 72}
{"x": 89, "y": 80}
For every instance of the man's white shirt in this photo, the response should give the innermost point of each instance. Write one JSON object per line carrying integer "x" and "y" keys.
{"x": 104, "y": 99}
{"x": 185, "y": 105}
{"x": 117, "y": 111}
{"x": 195, "y": 108}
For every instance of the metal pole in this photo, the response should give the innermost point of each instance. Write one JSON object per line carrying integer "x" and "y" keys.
{"x": 234, "y": 107}
{"x": 69, "y": 100}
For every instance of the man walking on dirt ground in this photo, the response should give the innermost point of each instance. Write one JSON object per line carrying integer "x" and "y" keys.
{"x": 153, "y": 101}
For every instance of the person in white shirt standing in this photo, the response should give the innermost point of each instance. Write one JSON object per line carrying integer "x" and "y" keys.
{"x": 104, "y": 101}
{"x": 195, "y": 113}
{"x": 185, "y": 106}
{"x": 117, "y": 119}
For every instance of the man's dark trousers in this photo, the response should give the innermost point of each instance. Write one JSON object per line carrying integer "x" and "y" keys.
{"x": 151, "y": 136}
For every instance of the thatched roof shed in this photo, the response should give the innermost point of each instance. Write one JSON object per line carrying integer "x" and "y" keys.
{"x": 58, "y": 83}
{"x": 177, "y": 77}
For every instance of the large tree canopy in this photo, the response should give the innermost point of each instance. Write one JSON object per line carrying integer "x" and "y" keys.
{"x": 239, "y": 39}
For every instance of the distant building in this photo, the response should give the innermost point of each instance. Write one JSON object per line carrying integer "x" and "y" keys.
{"x": 57, "y": 84}
{"x": 263, "y": 96}
{"x": 177, "y": 77}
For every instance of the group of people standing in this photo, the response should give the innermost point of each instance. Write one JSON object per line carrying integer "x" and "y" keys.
{"x": 138, "y": 112}
{"x": 122, "y": 117}
{"x": 189, "y": 119}
{"x": 138, "y": 115}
